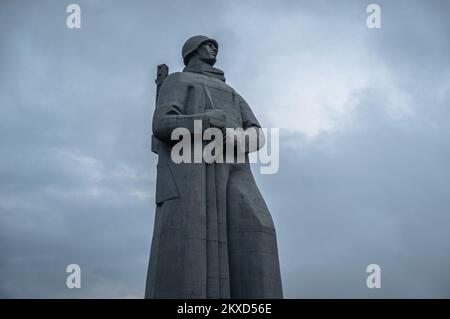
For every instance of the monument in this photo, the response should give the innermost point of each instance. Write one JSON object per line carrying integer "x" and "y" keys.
{"x": 213, "y": 234}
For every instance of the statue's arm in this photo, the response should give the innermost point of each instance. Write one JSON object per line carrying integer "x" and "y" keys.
{"x": 252, "y": 126}
{"x": 170, "y": 110}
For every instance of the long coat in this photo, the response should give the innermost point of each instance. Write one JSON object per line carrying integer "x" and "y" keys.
{"x": 213, "y": 234}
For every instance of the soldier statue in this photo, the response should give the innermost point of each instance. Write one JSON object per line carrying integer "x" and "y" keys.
{"x": 213, "y": 234}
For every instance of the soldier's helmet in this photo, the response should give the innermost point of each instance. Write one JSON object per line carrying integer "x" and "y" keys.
{"x": 193, "y": 43}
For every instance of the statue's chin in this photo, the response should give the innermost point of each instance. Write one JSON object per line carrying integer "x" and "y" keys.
{"x": 210, "y": 61}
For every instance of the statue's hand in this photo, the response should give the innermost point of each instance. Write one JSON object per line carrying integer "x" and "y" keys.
{"x": 216, "y": 117}
{"x": 230, "y": 137}
{"x": 235, "y": 138}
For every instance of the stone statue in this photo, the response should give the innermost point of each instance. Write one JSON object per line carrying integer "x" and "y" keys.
{"x": 213, "y": 234}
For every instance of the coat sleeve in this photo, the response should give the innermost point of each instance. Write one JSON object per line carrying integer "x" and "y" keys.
{"x": 170, "y": 108}
{"x": 249, "y": 121}
{"x": 248, "y": 118}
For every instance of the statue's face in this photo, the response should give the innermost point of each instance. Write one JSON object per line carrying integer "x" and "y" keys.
{"x": 207, "y": 53}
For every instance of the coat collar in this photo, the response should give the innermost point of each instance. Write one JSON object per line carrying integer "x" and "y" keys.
{"x": 206, "y": 69}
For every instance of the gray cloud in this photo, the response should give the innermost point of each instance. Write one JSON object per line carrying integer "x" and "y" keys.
{"x": 375, "y": 194}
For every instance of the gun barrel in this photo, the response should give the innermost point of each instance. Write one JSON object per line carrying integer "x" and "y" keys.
{"x": 162, "y": 71}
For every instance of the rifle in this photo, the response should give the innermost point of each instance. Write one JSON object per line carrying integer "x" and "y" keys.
{"x": 162, "y": 72}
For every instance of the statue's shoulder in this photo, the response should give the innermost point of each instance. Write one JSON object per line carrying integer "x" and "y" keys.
{"x": 187, "y": 77}
{"x": 176, "y": 80}
{"x": 192, "y": 78}
{"x": 174, "y": 77}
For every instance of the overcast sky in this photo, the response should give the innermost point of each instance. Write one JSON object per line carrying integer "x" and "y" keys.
{"x": 365, "y": 139}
